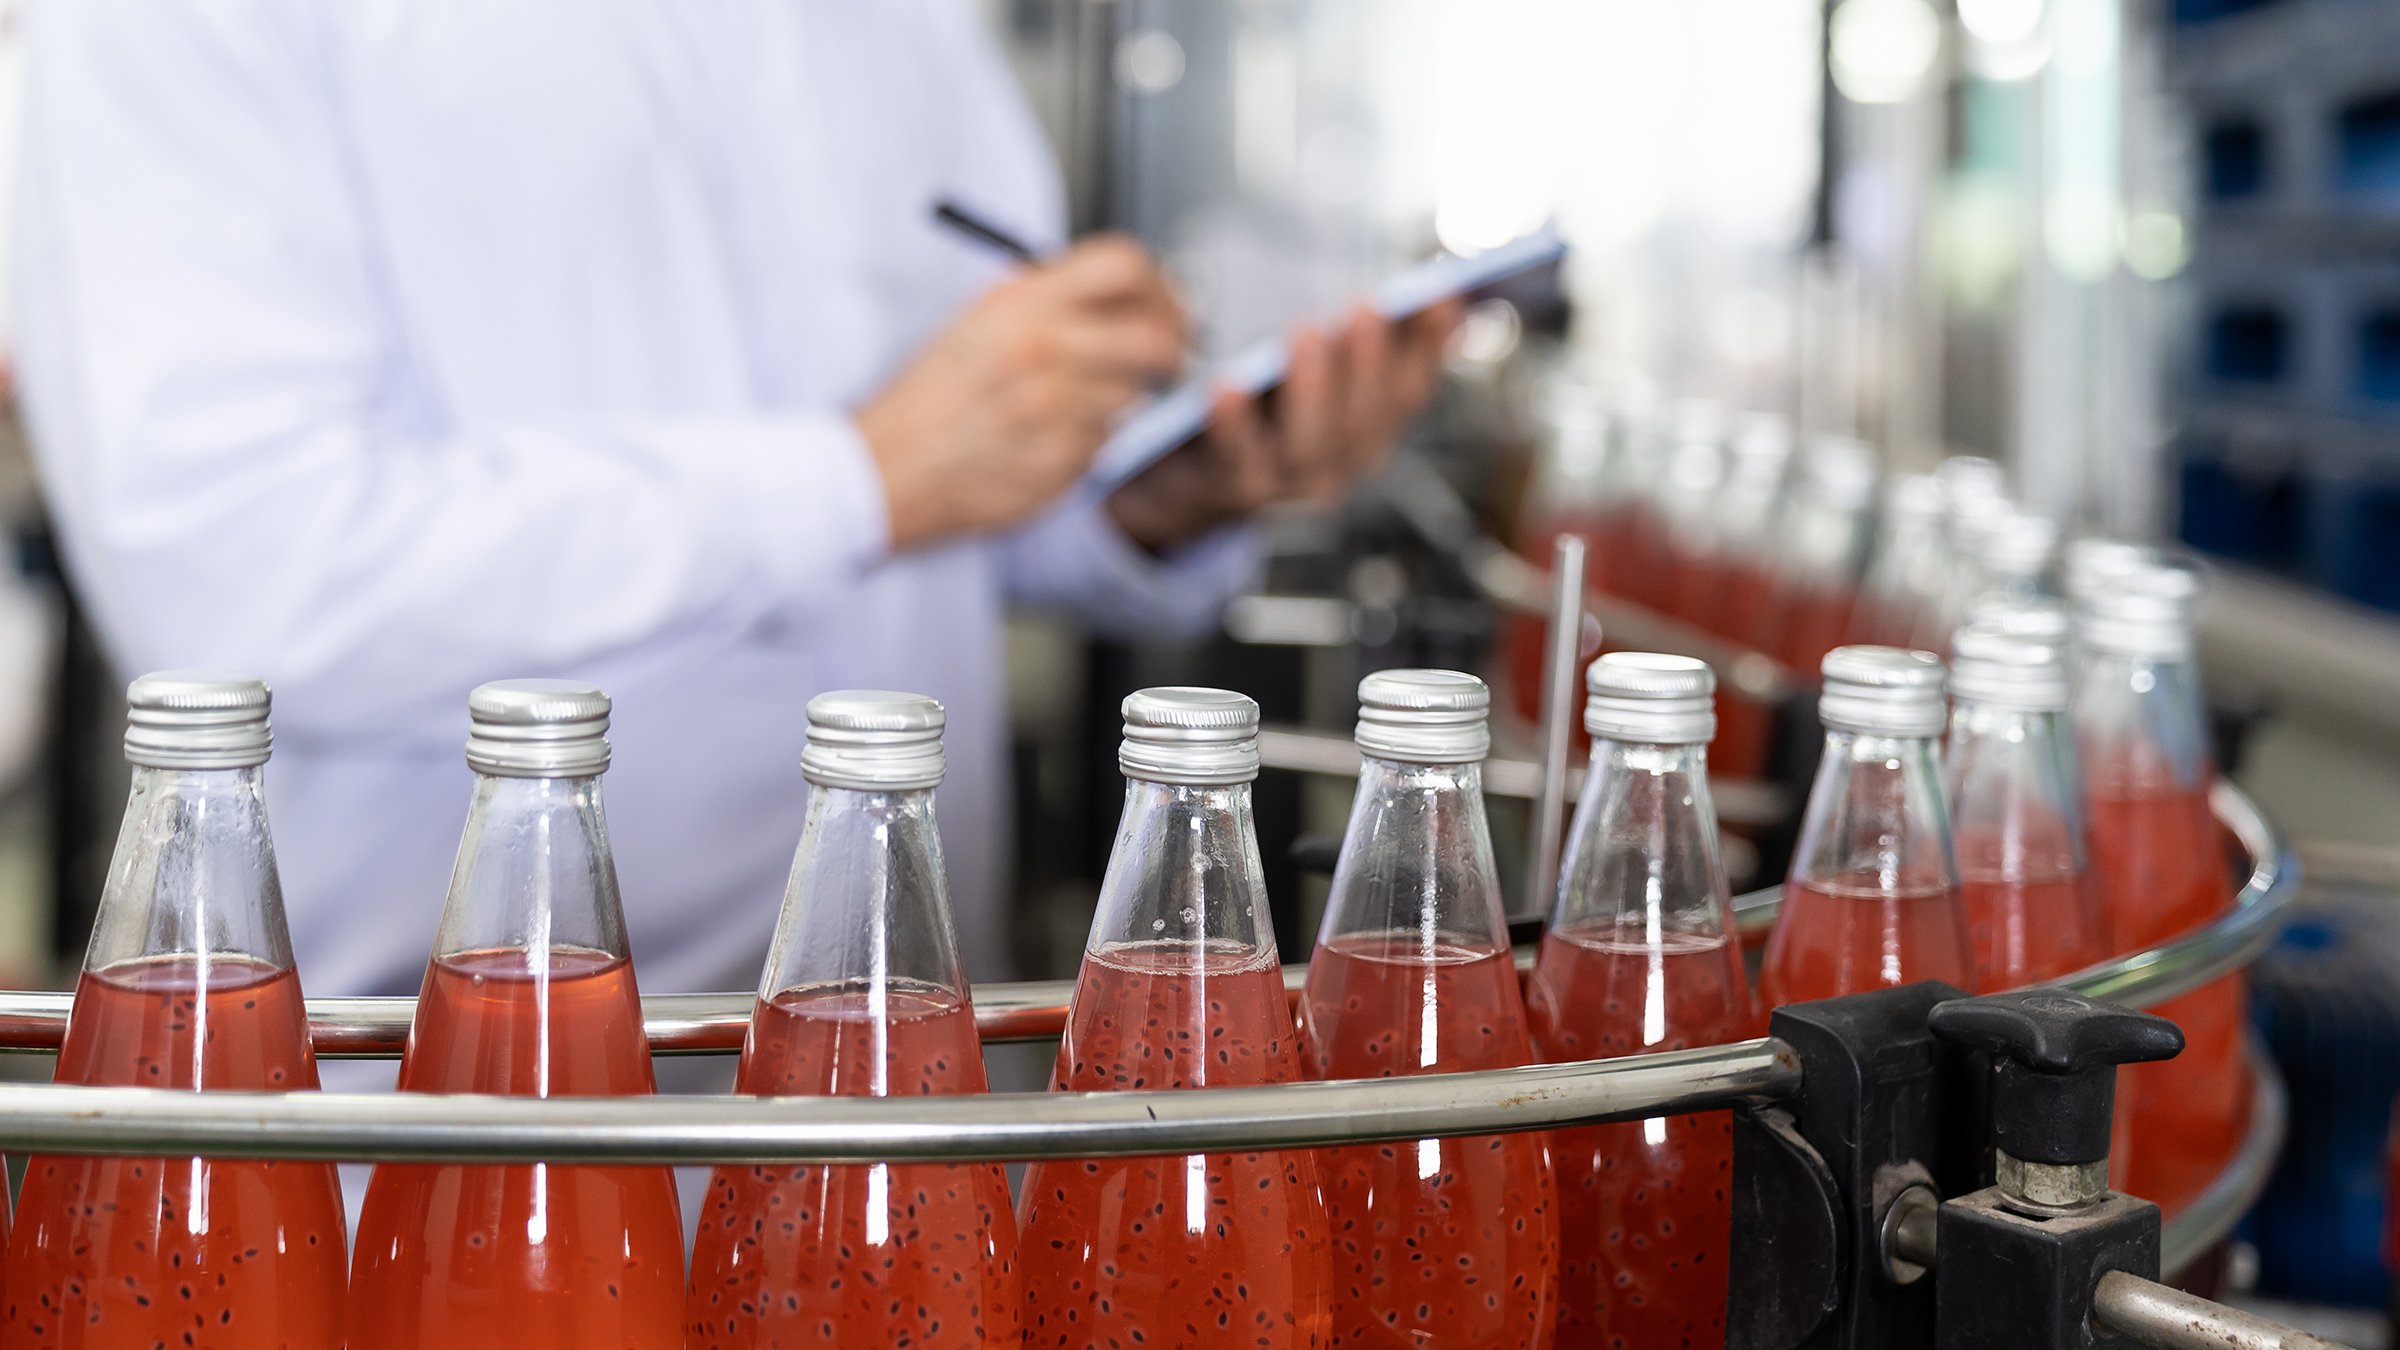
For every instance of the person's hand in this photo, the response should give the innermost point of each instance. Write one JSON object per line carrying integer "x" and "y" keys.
{"x": 1006, "y": 407}
{"x": 1345, "y": 398}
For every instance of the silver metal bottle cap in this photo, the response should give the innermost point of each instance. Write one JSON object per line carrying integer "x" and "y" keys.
{"x": 1650, "y": 698}
{"x": 538, "y": 729}
{"x": 2144, "y": 610}
{"x": 1189, "y": 735}
{"x": 2035, "y": 617}
{"x": 197, "y": 719}
{"x": 2020, "y": 546}
{"x": 1424, "y": 717}
{"x": 1990, "y": 665}
{"x": 1917, "y": 498}
{"x": 2092, "y": 564}
{"x": 1883, "y": 691}
{"x": 873, "y": 740}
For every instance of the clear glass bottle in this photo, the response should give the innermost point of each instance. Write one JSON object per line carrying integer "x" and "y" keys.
{"x": 1691, "y": 482}
{"x": 1905, "y": 577}
{"x": 1180, "y": 988}
{"x": 1743, "y": 608}
{"x": 1413, "y": 974}
{"x": 188, "y": 983}
{"x": 2159, "y": 858}
{"x": 1575, "y": 488}
{"x": 530, "y": 993}
{"x": 1640, "y": 958}
{"x": 1872, "y": 899}
{"x": 1822, "y": 546}
{"x": 2017, "y": 810}
{"x": 863, "y": 996}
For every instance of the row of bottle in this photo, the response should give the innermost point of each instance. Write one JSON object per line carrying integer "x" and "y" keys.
{"x": 190, "y": 985}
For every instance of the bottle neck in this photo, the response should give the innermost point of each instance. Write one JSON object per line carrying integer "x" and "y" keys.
{"x": 1643, "y": 860}
{"x": 194, "y": 872}
{"x": 2012, "y": 783}
{"x": 534, "y": 872}
{"x": 1416, "y": 861}
{"x": 1184, "y": 877}
{"x": 868, "y": 904}
{"x": 2142, "y": 724}
{"x": 1877, "y": 819}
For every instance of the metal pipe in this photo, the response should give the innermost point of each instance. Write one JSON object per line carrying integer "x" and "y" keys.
{"x": 2169, "y": 1319}
{"x": 1561, "y": 702}
{"x": 766, "y": 1130}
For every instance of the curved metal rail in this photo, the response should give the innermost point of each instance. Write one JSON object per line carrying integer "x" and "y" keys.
{"x": 409, "y": 1127}
{"x": 692, "y": 1129}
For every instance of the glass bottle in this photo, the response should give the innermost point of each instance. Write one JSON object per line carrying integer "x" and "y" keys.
{"x": 1691, "y": 480}
{"x": 530, "y": 993}
{"x": 1743, "y": 609}
{"x": 188, "y": 983}
{"x": 1413, "y": 974}
{"x": 1574, "y": 490}
{"x": 2017, "y": 807}
{"x": 1905, "y": 578}
{"x": 1639, "y": 958}
{"x": 2160, "y": 859}
{"x": 1180, "y": 988}
{"x": 863, "y": 996}
{"x": 1873, "y": 895}
{"x": 1824, "y": 539}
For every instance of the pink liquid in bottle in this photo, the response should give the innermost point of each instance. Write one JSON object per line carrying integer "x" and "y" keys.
{"x": 1216, "y": 1250}
{"x": 1447, "y": 1242}
{"x": 1850, "y": 935}
{"x": 809, "y": 1254}
{"x": 2160, "y": 863}
{"x": 1645, "y": 1206}
{"x": 2025, "y": 930}
{"x": 180, "y": 1251}
{"x": 533, "y": 1256}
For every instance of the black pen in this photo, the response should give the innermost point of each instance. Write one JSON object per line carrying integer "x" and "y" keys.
{"x": 966, "y": 222}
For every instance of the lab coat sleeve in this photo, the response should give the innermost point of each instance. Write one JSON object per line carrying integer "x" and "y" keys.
{"x": 210, "y": 366}
{"x": 1074, "y": 557}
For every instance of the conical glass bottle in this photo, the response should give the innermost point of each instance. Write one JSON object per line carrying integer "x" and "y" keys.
{"x": 1639, "y": 958}
{"x": 2159, "y": 859}
{"x": 1574, "y": 489}
{"x": 863, "y": 996}
{"x": 188, "y": 983}
{"x": 1824, "y": 539}
{"x": 1413, "y": 974}
{"x": 2017, "y": 808}
{"x": 530, "y": 993}
{"x": 1743, "y": 608}
{"x": 1872, "y": 899}
{"x": 1910, "y": 567}
{"x": 1180, "y": 988}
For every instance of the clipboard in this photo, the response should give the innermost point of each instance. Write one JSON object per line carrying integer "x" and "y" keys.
{"x": 1176, "y": 418}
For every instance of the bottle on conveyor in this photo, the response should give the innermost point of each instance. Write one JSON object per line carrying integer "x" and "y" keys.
{"x": 188, "y": 983}
{"x": 863, "y": 996}
{"x": 1436, "y": 1242}
{"x": 1640, "y": 958}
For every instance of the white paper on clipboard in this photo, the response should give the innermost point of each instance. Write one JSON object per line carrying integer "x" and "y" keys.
{"x": 1175, "y": 417}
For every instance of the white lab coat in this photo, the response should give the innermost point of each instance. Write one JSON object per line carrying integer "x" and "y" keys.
{"x": 383, "y": 347}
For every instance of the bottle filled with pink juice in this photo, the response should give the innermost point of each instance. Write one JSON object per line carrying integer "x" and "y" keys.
{"x": 1821, "y": 542}
{"x": 864, "y": 996}
{"x": 1181, "y": 987}
{"x": 530, "y": 993}
{"x": 1900, "y": 601}
{"x": 1435, "y": 1242}
{"x": 188, "y": 984}
{"x": 2159, "y": 856}
{"x": 1640, "y": 958}
{"x": 2017, "y": 811}
{"x": 1873, "y": 897}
